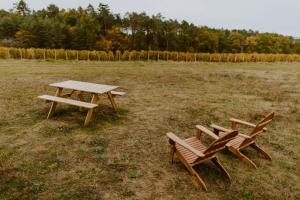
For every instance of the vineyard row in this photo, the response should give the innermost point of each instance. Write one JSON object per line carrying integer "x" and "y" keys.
{"x": 60, "y": 54}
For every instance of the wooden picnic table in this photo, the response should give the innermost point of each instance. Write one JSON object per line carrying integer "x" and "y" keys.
{"x": 78, "y": 88}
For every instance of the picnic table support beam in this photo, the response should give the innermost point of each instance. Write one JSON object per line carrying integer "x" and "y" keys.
{"x": 112, "y": 101}
{"x": 54, "y": 104}
{"x": 68, "y": 94}
{"x": 90, "y": 112}
{"x": 79, "y": 94}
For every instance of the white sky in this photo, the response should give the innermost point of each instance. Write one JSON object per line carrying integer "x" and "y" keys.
{"x": 280, "y": 16}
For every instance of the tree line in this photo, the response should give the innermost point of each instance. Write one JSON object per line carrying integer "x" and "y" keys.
{"x": 97, "y": 28}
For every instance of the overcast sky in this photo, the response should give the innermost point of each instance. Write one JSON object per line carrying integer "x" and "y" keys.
{"x": 281, "y": 16}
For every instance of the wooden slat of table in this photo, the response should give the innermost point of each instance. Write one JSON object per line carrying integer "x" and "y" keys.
{"x": 84, "y": 86}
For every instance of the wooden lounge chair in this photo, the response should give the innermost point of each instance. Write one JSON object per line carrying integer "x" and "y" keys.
{"x": 242, "y": 141}
{"x": 192, "y": 152}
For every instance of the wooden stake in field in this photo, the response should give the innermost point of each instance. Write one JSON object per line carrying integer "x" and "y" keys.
{"x": 148, "y": 56}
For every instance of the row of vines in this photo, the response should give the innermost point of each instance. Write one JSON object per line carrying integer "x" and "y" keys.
{"x": 61, "y": 54}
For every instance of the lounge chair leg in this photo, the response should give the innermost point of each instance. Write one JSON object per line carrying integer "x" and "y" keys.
{"x": 265, "y": 154}
{"x": 192, "y": 171}
{"x": 199, "y": 179}
{"x": 221, "y": 167}
{"x": 171, "y": 154}
{"x": 243, "y": 157}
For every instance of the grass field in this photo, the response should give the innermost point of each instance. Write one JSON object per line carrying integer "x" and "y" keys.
{"x": 124, "y": 156}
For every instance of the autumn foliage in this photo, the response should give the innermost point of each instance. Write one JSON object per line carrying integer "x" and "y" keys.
{"x": 98, "y": 28}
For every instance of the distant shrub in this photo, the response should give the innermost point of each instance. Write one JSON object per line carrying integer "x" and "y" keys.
{"x": 111, "y": 56}
{"x": 125, "y": 55}
{"x": 118, "y": 55}
{"x": 103, "y": 55}
{"x": 3, "y": 53}
{"x": 93, "y": 55}
{"x": 60, "y": 54}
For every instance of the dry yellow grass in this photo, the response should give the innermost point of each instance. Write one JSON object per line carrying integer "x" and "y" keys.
{"x": 124, "y": 156}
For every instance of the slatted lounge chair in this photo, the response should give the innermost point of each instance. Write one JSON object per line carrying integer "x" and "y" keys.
{"x": 192, "y": 152}
{"x": 243, "y": 141}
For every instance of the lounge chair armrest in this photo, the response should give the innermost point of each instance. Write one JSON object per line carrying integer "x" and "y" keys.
{"x": 242, "y": 122}
{"x": 238, "y": 121}
{"x": 207, "y": 132}
{"x": 181, "y": 142}
{"x": 244, "y": 136}
{"x": 219, "y": 128}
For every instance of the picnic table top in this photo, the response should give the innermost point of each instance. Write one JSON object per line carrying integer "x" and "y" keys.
{"x": 84, "y": 86}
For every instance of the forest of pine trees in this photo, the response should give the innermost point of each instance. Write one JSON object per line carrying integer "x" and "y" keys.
{"x": 99, "y": 29}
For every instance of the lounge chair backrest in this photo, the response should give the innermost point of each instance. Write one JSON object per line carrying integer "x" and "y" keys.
{"x": 262, "y": 124}
{"x": 258, "y": 129}
{"x": 270, "y": 116}
{"x": 220, "y": 143}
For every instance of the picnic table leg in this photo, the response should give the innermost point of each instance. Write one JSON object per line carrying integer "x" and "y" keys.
{"x": 54, "y": 104}
{"x": 112, "y": 101}
{"x": 90, "y": 112}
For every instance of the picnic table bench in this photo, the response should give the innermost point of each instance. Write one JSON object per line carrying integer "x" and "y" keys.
{"x": 68, "y": 101}
{"x": 115, "y": 93}
{"x": 78, "y": 88}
